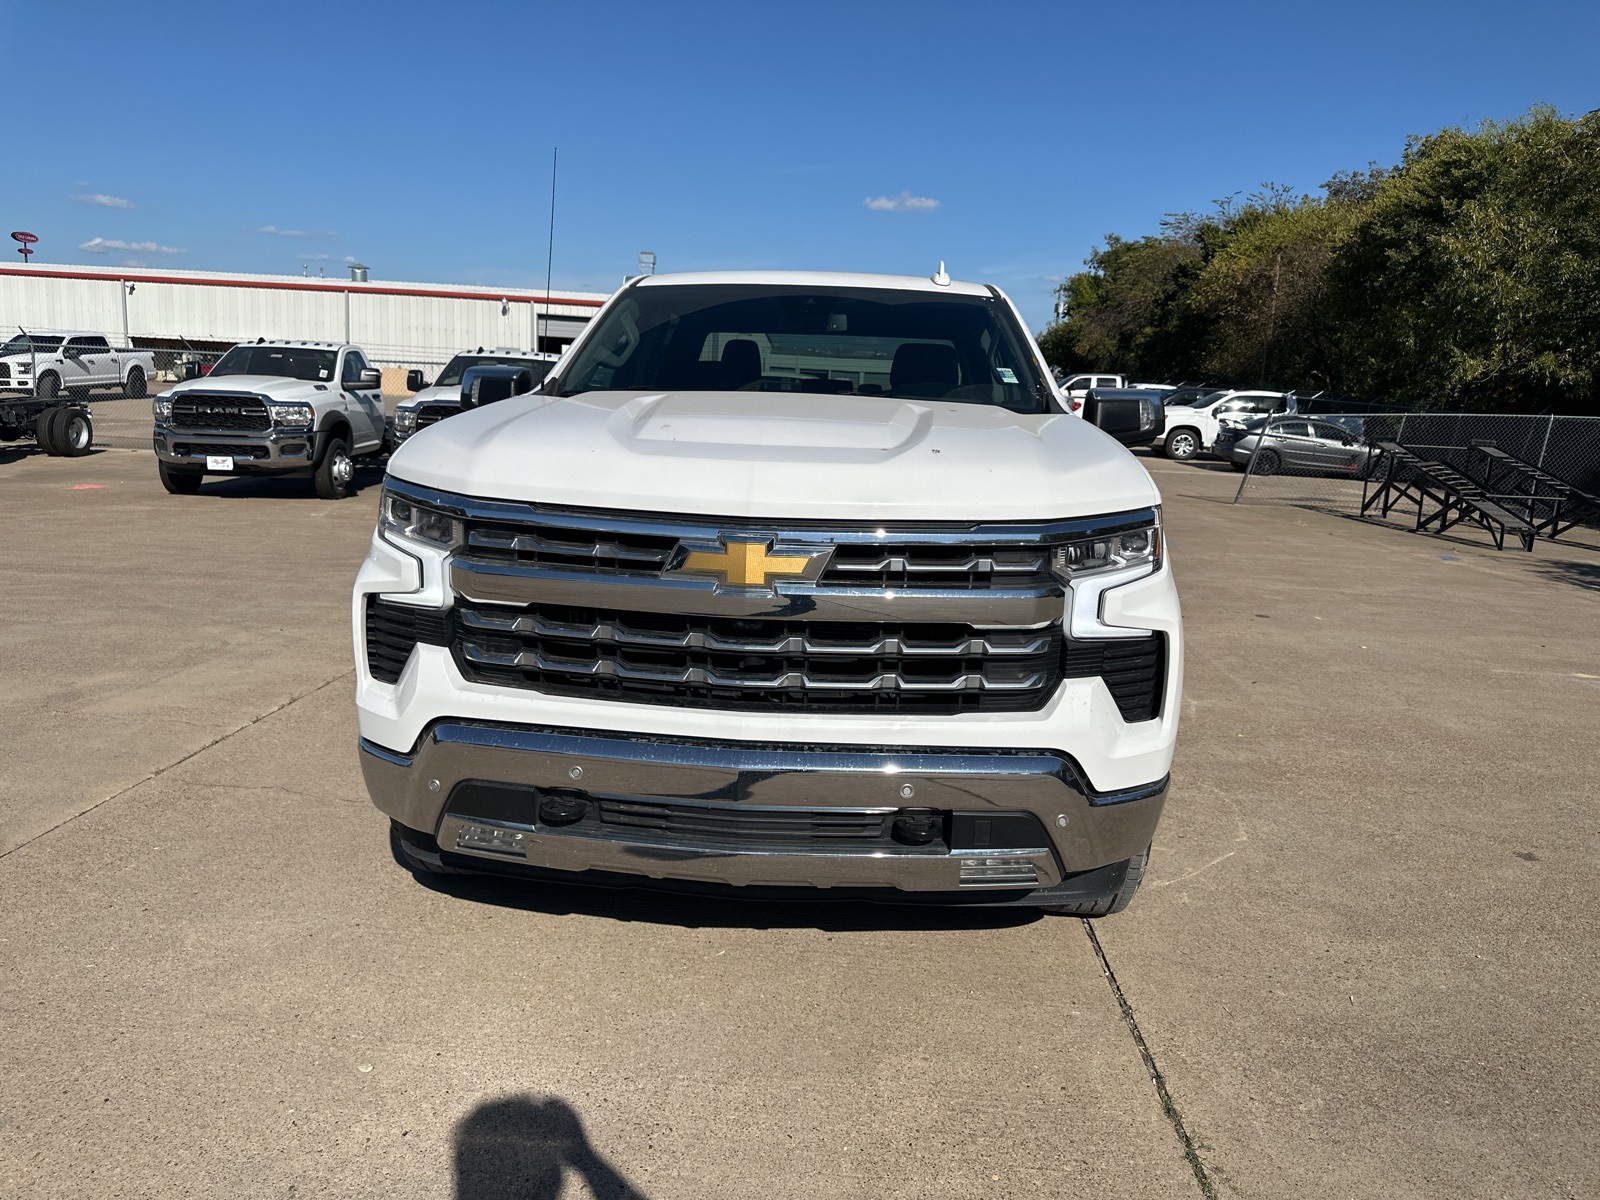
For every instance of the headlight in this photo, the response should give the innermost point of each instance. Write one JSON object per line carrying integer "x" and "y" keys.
{"x": 405, "y": 518}
{"x": 405, "y": 419}
{"x": 290, "y": 414}
{"x": 161, "y": 408}
{"x": 1114, "y": 552}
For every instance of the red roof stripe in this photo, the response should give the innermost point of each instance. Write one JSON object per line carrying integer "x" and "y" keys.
{"x": 295, "y": 285}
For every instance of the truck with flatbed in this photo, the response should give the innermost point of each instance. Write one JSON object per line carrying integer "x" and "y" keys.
{"x": 273, "y": 408}
{"x": 783, "y": 584}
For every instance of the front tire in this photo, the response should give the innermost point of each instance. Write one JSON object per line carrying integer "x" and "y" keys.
{"x": 1267, "y": 463}
{"x": 336, "y": 470}
{"x": 1181, "y": 444}
{"x": 49, "y": 386}
{"x": 179, "y": 482}
{"x": 1114, "y": 902}
{"x": 135, "y": 389}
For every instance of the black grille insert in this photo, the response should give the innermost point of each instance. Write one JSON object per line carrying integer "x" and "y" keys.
{"x": 199, "y": 411}
{"x": 232, "y": 449}
{"x": 1135, "y": 670}
{"x": 432, "y": 414}
{"x": 708, "y": 662}
{"x": 394, "y": 629}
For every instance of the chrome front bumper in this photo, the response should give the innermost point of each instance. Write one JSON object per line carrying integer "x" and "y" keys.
{"x": 1080, "y": 830}
{"x": 287, "y": 448}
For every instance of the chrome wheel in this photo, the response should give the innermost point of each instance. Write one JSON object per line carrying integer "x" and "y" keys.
{"x": 343, "y": 470}
{"x": 1183, "y": 444}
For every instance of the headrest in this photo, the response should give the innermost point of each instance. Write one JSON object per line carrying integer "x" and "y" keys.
{"x": 922, "y": 363}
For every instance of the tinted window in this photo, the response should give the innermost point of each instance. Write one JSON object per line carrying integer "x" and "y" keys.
{"x": 354, "y": 364}
{"x": 287, "y": 362}
{"x": 840, "y": 341}
{"x": 451, "y": 375}
{"x": 97, "y": 345}
{"x": 23, "y": 343}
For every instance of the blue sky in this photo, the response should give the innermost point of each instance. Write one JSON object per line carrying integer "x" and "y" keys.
{"x": 417, "y": 137}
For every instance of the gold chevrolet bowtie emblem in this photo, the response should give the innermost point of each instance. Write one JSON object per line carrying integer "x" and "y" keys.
{"x": 746, "y": 564}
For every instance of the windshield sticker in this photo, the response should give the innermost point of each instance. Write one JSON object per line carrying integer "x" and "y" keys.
{"x": 1007, "y": 375}
{"x": 322, "y": 374}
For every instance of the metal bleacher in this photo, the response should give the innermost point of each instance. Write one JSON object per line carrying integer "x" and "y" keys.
{"x": 1548, "y": 503}
{"x": 1444, "y": 497}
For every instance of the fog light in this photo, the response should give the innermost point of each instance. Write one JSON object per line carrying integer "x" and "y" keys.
{"x": 998, "y": 872}
{"x": 491, "y": 839}
{"x": 916, "y": 826}
{"x": 562, "y": 808}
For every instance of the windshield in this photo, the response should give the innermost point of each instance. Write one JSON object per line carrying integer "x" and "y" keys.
{"x": 841, "y": 341}
{"x": 24, "y": 343}
{"x": 285, "y": 362}
{"x": 451, "y": 375}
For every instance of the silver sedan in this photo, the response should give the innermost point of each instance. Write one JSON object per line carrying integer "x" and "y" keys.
{"x": 1298, "y": 446}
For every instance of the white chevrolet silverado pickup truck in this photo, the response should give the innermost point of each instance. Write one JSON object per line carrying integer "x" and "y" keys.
{"x": 272, "y": 408}
{"x": 785, "y": 583}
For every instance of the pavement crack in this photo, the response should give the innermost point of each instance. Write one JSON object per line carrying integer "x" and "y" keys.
{"x": 178, "y": 762}
{"x": 1168, "y": 1105}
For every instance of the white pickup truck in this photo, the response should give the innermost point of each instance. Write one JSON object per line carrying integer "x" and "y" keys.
{"x": 785, "y": 583}
{"x": 273, "y": 408}
{"x": 48, "y": 362}
{"x": 442, "y": 398}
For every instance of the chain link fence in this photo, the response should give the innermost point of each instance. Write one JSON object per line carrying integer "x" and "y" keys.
{"x": 1501, "y": 476}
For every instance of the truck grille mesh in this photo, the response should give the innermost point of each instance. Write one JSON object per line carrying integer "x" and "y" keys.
{"x": 199, "y": 411}
{"x": 706, "y": 662}
{"x": 432, "y": 414}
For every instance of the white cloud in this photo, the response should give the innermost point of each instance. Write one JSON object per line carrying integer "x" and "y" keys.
{"x": 904, "y": 202}
{"x": 134, "y": 262}
{"x": 100, "y": 245}
{"x": 351, "y": 258}
{"x": 103, "y": 200}
{"x": 274, "y": 231}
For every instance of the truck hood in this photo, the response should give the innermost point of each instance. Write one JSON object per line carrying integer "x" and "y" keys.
{"x": 432, "y": 395}
{"x": 744, "y": 454}
{"x": 275, "y": 387}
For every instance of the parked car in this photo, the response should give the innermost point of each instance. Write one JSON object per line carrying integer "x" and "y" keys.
{"x": 272, "y": 408}
{"x": 1191, "y": 428}
{"x": 442, "y": 398}
{"x": 1076, "y": 387}
{"x": 48, "y": 362}
{"x": 1299, "y": 446}
{"x": 796, "y": 582}
{"x": 1189, "y": 394}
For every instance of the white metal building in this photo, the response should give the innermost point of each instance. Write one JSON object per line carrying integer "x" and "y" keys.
{"x": 398, "y": 324}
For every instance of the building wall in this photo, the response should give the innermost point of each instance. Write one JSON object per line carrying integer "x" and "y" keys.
{"x": 402, "y": 324}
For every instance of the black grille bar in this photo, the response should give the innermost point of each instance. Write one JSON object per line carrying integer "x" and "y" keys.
{"x": 1135, "y": 669}
{"x": 393, "y": 630}
{"x": 758, "y": 664}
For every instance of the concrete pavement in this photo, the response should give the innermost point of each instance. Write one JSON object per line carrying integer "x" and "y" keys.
{"x": 1363, "y": 962}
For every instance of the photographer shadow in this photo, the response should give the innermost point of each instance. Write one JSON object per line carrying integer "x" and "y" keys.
{"x": 521, "y": 1147}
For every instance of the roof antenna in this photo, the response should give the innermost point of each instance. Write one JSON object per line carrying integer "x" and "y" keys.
{"x": 939, "y": 276}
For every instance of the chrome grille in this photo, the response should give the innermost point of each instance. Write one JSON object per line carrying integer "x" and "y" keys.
{"x": 758, "y": 664}
{"x": 200, "y": 411}
{"x": 909, "y": 565}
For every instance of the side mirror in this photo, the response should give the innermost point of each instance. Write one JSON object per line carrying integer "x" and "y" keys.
{"x": 414, "y": 380}
{"x": 488, "y": 383}
{"x": 1133, "y": 419}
